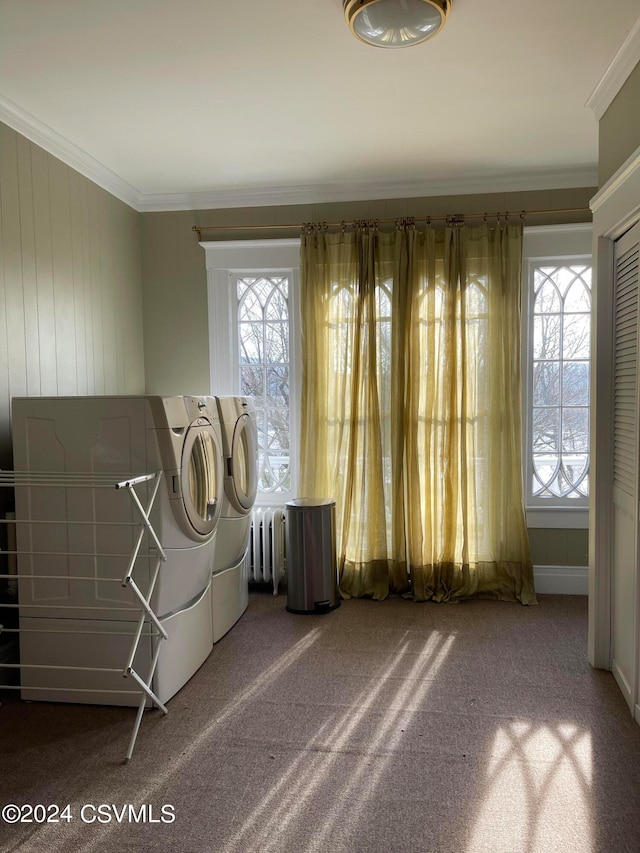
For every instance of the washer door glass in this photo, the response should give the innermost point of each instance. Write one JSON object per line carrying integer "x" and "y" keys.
{"x": 244, "y": 462}
{"x": 202, "y": 478}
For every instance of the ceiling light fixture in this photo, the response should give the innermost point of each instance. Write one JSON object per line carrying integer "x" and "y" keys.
{"x": 396, "y": 23}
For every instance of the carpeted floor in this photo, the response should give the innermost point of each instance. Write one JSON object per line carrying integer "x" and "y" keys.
{"x": 389, "y": 727}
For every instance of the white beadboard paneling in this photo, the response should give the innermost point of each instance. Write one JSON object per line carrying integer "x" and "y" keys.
{"x": 29, "y": 281}
{"x": 61, "y": 263}
{"x": 96, "y": 291}
{"x": 5, "y": 276}
{"x": 12, "y": 262}
{"x": 70, "y": 283}
{"x": 77, "y": 265}
{"x": 87, "y": 289}
{"x": 45, "y": 306}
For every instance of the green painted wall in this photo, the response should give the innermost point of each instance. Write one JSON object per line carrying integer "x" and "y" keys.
{"x": 559, "y": 547}
{"x": 619, "y": 129}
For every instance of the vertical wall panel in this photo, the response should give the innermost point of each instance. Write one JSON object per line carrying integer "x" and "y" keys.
{"x": 77, "y": 273}
{"x": 12, "y": 262}
{"x": 87, "y": 288}
{"x": 109, "y": 254}
{"x": 61, "y": 259}
{"x": 6, "y": 273}
{"x": 95, "y": 224}
{"x": 70, "y": 283}
{"x": 29, "y": 283}
{"x": 45, "y": 306}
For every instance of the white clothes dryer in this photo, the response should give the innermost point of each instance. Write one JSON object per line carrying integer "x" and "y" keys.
{"x": 122, "y": 436}
{"x": 230, "y": 579}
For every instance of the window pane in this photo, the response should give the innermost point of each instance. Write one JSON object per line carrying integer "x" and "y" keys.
{"x": 575, "y": 383}
{"x": 277, "y": 430}
{"x": 545, "y": 475}
{"x": 275, "y": 473}
{"x": 546, "y": 430}
{"x": 277, "y": 378}
{"x": 546, "y": 336}
{"x": 249, "y": 308}
{"x": 276, "y": 344}
{"x": 573, "y": 471}
{"x": 576, "y": 336}
{"x": 260, "y": 418}
{"x": 575, "y": 429}
{"x": 277, "y": 307}
{"x": 546, "y": 383}
{"x": 251, "y": 345}
{"x": 578, "y": 297}
{"x": 251, "y": 381}
{"x": 547, "y": 299}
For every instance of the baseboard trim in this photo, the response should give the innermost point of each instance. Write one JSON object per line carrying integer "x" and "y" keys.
{"x": 561, "y": 580}
{"x": 623, "y": 684}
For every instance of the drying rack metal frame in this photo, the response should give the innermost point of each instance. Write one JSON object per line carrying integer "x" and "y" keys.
{"x": 44, "y": 479}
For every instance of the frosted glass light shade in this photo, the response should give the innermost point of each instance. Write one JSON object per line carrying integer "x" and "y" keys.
{"x": 395, "y": 23}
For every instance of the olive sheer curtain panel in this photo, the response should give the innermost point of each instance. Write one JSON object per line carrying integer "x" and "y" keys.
{"x": 411, "y": 414}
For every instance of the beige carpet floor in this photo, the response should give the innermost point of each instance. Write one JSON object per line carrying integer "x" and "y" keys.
{"x": 385, "y": 727}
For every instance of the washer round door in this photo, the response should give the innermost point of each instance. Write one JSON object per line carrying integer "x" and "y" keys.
{"x": 202, "y": 478}
{"x": 244, "y": 464}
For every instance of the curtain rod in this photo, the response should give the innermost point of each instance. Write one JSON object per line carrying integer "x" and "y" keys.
{"x": 456, "y": 218}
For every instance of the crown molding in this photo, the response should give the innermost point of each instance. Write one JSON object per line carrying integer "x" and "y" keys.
{"x": 613, "y": 79}
{"x": 548, "y": 179}
{"x": 52, "y": 142}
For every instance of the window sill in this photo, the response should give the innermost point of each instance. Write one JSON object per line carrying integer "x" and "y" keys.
{"x": 561, "y": 517}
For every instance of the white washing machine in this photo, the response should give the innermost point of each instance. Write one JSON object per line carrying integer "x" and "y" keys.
{"x": 230, "y": 578}
{"x": 119, "y": 436}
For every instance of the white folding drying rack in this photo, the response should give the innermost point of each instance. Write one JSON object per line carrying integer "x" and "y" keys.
{"x": 13, "y": 479}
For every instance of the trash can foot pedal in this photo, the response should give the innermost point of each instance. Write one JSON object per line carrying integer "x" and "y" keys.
{"x": 319, "y": 607}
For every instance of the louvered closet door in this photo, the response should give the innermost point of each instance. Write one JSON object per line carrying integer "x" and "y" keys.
{"x": 626, "y": 426}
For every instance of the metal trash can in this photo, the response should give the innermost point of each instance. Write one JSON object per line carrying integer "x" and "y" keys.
{"x": 312, "y": 570}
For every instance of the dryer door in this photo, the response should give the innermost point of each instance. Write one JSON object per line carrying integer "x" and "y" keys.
{"x": 202, "y": 477}
{"x": 244, "y": 464}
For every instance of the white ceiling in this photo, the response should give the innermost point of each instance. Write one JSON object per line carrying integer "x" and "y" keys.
{"x": 207, "y": 103}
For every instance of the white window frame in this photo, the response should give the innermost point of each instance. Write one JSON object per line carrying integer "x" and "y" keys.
{"x": 570, "y": 244}
{"x": 224, "y": 260}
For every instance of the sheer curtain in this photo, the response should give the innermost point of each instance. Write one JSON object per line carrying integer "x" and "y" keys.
{"x": 411, "y": 413}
